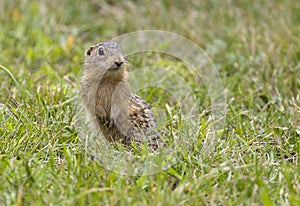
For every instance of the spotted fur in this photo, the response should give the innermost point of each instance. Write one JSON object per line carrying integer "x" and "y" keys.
{"x": 113, "y": 109}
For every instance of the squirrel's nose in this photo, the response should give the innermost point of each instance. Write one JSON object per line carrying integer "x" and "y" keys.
{"x": 119, "y": 63}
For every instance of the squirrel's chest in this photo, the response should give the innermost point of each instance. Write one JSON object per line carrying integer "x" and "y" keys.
{"x": 103, "y": 98}
{"x": 111, "y": 99}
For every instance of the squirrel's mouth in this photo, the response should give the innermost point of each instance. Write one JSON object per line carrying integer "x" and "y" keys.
{"x": 113, "y": 68}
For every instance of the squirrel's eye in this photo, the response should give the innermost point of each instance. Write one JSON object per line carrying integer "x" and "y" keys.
{"x": 101, "y": 51}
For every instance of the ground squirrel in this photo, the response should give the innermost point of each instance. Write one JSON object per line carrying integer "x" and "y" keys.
{"x": 118, "y": 113}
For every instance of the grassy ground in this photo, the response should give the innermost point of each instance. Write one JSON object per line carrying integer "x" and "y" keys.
{"x": 255, "y": 47}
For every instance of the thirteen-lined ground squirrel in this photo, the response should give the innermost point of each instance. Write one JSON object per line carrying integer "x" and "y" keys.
{"x": 113, "y": 109}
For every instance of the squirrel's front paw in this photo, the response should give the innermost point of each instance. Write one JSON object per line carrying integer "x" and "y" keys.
{"x": 110, "y": 123}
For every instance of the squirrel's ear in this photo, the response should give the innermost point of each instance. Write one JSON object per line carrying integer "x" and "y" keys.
{"x": 89, "y": 51}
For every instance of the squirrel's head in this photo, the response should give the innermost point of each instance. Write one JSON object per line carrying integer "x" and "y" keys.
{"x": 105, "y": 58}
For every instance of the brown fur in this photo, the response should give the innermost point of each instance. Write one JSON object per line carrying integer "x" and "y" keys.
{"x": 111, "y": 106}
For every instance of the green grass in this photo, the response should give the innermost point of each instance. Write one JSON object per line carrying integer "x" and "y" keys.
{"x": 255, "y": 47}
